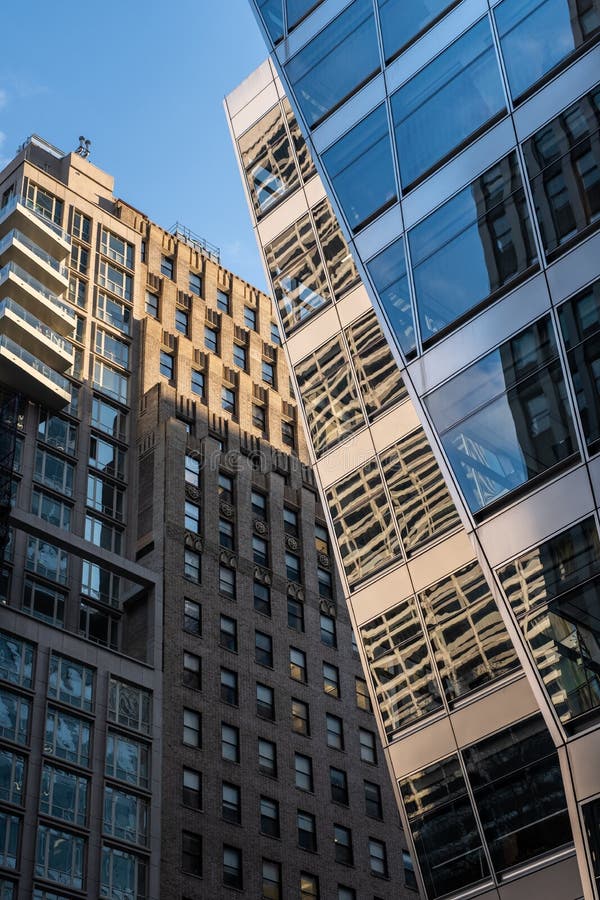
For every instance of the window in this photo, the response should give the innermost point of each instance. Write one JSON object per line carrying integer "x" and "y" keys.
{"x": 191, "y": 853}
{"x": 115, "y": 280}
{"x": 297, "y": 664}
{"x": 331, "y": 680}
{"x": 300, "y": 717}
{"x": 197, "y": 383}
{"x": 114, "y": 312}
{"x": 275, "y": 336}
{"x": 14, "y": 725}
{"x": 339, "y": 59}
{"x": 59, "y": 857}
{"x": 191, "y": 566}
{"x": 434, "y": 99}
{"x": 265, "y": 702}
{"x": 167, "y": 365}
{"x": 70, "y": 682}
{"x": 100, "y": 533}
{"x": 192, "y": 728}
{"x": 182, "y": 321}
{"x": 226, "y": 538}
{"x": 250, "y": 318}
{"x": 269, "y": 816}
{"x": 230, "y": 742}
{"x": 335, "y": 732}
{"x": 82, "y": 227}
{"x": 225, "y": 488}
{"x": 259, "y": 417}
{"x": 116, "y": 248}
{"x": 368, "y": 752}
{"x": 229, "y": 687}
{"x": 388, "y": 271}
{"x": 267, "y": 757}
{"x": 271, "y": 880}
{"x": 260, "y": 551}
{"x": 195, "y": 284}
{"x": 12, "y": 778}
{"x": 192, "y": 470}
{"x": 125, "y": 816}
{"x": 166, "y": 266}
{"x": 192, "y": 517}
{"x": 227, "y": 581}
{"x": 288, "y": 433}
{"x": 192, "y": 671}
{"x": 325, "y": 583}
{"x": 223, "y": 302}
{"x": 262, "y": 598}
{"x": 232, "y": 867}
{"x": 361, "y": 692}
{"x": 129, "y": 705}
{"x": 67, "y": 737}
{"x": 80, "y": 257}
{"x": 240, "y": 356}
{"x": 290, "y": 521}
{"x": 259, "y": 505}
{"x": 295, "y": 614}
{"x": 44, "y": 204}
{"x": 127, "y": 760}
{"x": 228, "y": 634}
{"x": 309, "y": 886}
{"x": 338, "y": 782}
{"x": 379, "y": 380}
{"x": 455, "y": 239}
{"x": 328, "y": 630}
{"x": 268, "y": 373}
{"x": 292, "y": 567}
{"x": 342, "y": 844}
{"x": 54, "y": 472}
{"x": 109, "y": 419}
{"x": 373, "y": 805}
{"x": 263, "y": 647}
{"x": 98, "y": 625}
{"x": 121, "y": 873}
{"x": 228, "y": 400}
{"x": 211, "y": 339}
{"x": 112, "y": 347}
{"x": 515, "y": 424}
{"x": 231, "y": 803}
{"x": 346, "y": 893}
{"x": 410, "y": 878}
{"x": 77, "y": 291}
{"x": 143, "y": 250}
{"x": 192, "y": 788}
{"x": 361, "y": 167}
{"x": 304, "y": 772}
{"x": 307, "y": 830}
{"x": 152, "y": 304}
{"x": 16, "y": 660}
{"x": 111, "y": 382}
{"x": 378, "y": 858}
{"x": 43, "y": 603}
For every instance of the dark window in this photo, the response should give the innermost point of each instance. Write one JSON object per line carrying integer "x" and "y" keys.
{"x": 342, "y": 844}
{"x": 228, "y": 634}
{"x": 226, "y": 538}
{"x": 580, "y": 326}
{"x": 378, "y": 858}
{"x": 275, "y": 336}
{"x": 335, "y": 732}
{"x": 363, "y": 701}
{"x": 307, "y": 830}
{"x": 230, "y": 742}
{"x": 290, "y": 521}
{"x": 191, "y": 853}
{"x": 304, "y": 772}
{"x": 288, "y": 433}
{"x": 167, "y": 365}
{"x": 373, "y": 805}
{"x": 198, "y": 383}
{"x": 240, "y": 356}
{"x": 267, "y": 757}
{"x": 231, "y": 803}
{"x": 182, "y": 321}
{"x": 260, "y": 551}
{"x": 338, "y": 781}
{"x": 192, "y": 671}
{"x": 388, "y": 271}
{"x": 368, "y": 751}
{"x": 259, "y": 505}
{"x": 591, "y": 819}
{"x": 292, "y": 567}
{"x": 195, "y": 284}
{"x": 269, "y": 816}
{"x": 297, "y": 664}
{"x": 271, "y": 880}
{"x": 229, "y": 687}
{"x": 402, "y": 22}
{"x": 228, "y": 400}
{"x": 325, "y": 583}
{"x": 328, "y": 630}
{"x": 410, "y": 878}
{"x": 309, "y": 886}
{"x": 192, "y": 728}
{"x": 331, "y": 680}
{"x": 250, "y": 318}
{"x": 300, "y": 717}
{"x": 265, "y": 702}
{"x": 259, "y": 417}
{"x": 263, "y": 649}
{"x": 192, "y": 788}
{"x": 295, "y": 611}
{"x": 223, "y": 301}
{"x": 192, "y": 617}
{"x": 268, "y": 373}
{"x": 211, "y": 339}
{"x": 166, "y": 266}
{"x": 233, "y": 876}
{"x": 262, "y": 598}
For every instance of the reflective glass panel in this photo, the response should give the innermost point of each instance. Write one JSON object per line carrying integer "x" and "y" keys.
{"x": 580, "y": 326}
{"x": 447, "y": 103}
{"x": 555, "y": 592}
{"x": 537, "y": 35}
{"x": 303, "y": 157}
{"x": 363, "y": 523}
{"x": 297, "y": 272}
{"x": 336, "y": 62}
{"x": 361, "y": 168}
{"x": 563, "y": 161}
{"x": 16, "y": 660}
{"x": 402, "y": 22}
{"x": 512, "y": 418}
{"x": 298, "y": 9}
{"x": 379, "y": 378}
{"x": 516, "y": 780}
{"x": 591, "y": 819}
{"x": 470, "y": 642}
{"x": 12, "y": 778}
{"x": 330, "y": 395}
{"x": 64, "y": 795}
{"x": 388, "y": 271}
{"x": 338, "y": 260}
{"x": 268, "y": 161}
{"x": 424, "y": 509}
{"x": 401, "y": 667}
{"x": 476, "y": 244}
{"x": 272, "y": 15}
{"x": 442, "y": 822}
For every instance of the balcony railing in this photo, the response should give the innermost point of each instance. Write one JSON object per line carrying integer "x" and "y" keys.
{"x": 39, "y": 213}
{"x": 33, "y": 362}
{"x": 37, "y": 286}
{"x": 15, "y": 234}
{"x": 34, "y": 324}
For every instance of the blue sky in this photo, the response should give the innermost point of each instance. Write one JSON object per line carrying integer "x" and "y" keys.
{"x": 145, "y": 81}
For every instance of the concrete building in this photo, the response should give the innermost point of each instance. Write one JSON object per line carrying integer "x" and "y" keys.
{"x": 164, "y": 540}
{"x": 456, "y": 144}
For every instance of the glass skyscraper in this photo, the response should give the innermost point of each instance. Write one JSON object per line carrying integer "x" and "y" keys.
{"x": 424, "y": 179}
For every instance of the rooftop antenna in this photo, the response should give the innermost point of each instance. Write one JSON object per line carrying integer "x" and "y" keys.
{"x": 84, "y": 147}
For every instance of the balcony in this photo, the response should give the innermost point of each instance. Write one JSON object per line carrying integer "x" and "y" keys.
{"x": 24, "y": 372}
{"x": 16, "y": 247}
{"x": 34, "y": 335}
{"x": 20, "y": 214}
{"x": 32, "y": 295}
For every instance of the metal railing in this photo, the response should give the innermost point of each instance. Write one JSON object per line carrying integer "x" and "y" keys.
{"x": 193, "y": 240}
{"x": 15, "y": 234}
{"x": 36, "y": 324}
{"x": 37, "y": 286}
{"x": 33, "y": 362}
{"x": 37, "y": 211}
